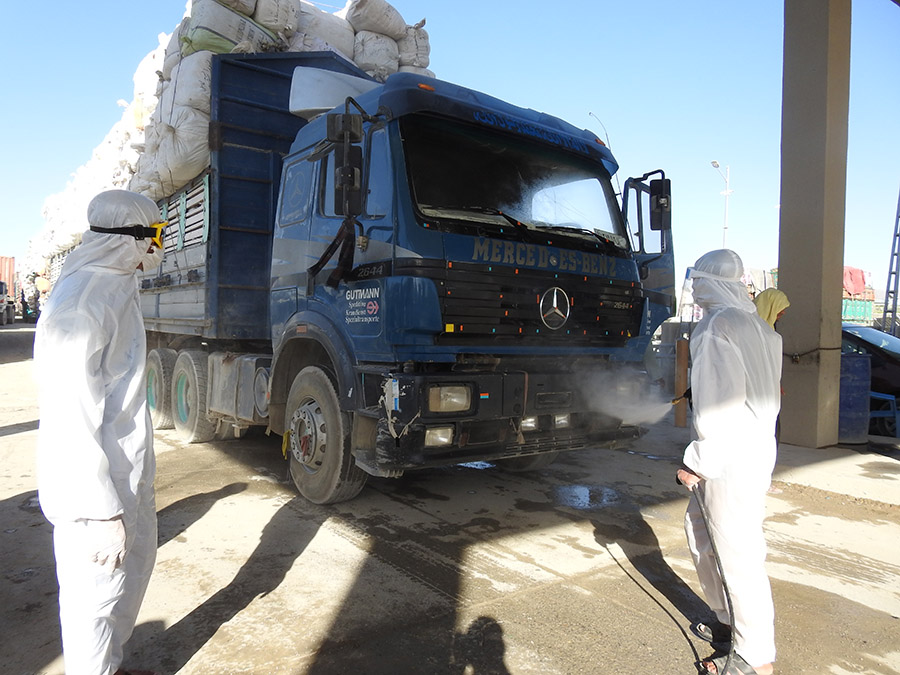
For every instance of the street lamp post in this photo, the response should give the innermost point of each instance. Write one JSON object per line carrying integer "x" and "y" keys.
{"x": 727, "y": 178}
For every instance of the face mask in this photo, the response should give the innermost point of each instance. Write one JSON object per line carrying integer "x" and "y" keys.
{"x": 152, "y": 258}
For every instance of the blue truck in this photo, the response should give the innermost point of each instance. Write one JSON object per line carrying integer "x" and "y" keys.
{"x": 399, "y": 275}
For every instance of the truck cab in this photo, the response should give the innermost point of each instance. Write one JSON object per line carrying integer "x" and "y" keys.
{"x": 400, "y": 275}
{"x": 493, "y": 292}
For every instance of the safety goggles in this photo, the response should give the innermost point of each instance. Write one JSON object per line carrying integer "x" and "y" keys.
{"x": 155, "y": 232}
{"x": 694, "y": 273}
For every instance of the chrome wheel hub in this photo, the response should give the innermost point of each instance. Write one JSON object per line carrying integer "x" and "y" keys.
{"x": 309, "y": 436}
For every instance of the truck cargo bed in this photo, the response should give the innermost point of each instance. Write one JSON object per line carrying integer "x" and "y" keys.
{"x": 214, "y": 281}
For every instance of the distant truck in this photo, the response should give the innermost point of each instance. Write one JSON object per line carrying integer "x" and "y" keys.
{"x": 399, "y": 275}
{"x": 7, "y": 290}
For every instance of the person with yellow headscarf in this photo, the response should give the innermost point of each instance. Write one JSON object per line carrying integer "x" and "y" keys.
{"x": 771, "y": 304}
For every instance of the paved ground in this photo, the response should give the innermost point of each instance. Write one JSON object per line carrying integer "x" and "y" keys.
{"x": 580, "y": 568}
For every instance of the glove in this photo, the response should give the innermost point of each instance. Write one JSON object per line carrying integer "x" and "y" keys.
{"x": 106, "y": 542}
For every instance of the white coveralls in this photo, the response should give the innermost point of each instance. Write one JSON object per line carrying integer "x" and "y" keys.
{"x": 735, "y": 383}
{"x": 95, "y": 447}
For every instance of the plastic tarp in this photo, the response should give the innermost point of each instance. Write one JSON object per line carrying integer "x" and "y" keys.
{"x": 854, "y": 280}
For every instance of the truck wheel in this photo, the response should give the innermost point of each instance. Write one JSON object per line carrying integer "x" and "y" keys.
{"x": 189, "y": 398}
{"x": 160, "y": 365}
{"x": 12, "y": 314}
{"x": 3, "y": 317}
{"x": 528, "y": 463}
{"x": 883, "y": 426}
{"x": 319, "y": 446}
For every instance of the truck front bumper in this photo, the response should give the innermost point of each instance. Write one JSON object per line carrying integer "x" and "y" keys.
{"x": 490, "y": 416}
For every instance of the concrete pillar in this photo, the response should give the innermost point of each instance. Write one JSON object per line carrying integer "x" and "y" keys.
{"x": 815, "y": 105}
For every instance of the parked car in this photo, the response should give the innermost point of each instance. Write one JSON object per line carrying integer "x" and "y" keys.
{"x": 884, "y": 349}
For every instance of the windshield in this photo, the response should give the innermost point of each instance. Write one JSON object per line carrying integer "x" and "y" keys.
{"x": 464, "y": 174}
{"x": 875, "y": 337}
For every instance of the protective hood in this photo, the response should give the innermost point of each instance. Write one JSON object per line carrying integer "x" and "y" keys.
{"x": 113, "y": 253}
{"x": 770, "y": 303}
{"x": 716, "y": 281}
{"x": 721, "y": 265}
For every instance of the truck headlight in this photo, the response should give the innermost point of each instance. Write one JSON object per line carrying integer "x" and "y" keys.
{"x": 449, "y": 398}
{"x": 529, "y": 424}
{"x": 438, "y": 436}
{"x": 561, "y": 421}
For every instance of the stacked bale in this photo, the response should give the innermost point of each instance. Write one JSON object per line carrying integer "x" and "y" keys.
{"x": 371, "y": 33}
{"x": 161, "y": 143}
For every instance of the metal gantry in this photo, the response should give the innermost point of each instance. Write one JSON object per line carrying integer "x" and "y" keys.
{"x": 889, "y": 318}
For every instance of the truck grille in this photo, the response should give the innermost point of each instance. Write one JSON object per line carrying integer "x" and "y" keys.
{"x": 502, "y": 305}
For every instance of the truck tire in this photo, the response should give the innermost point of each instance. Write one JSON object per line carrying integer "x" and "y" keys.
{"x": 883, "y": 426}
{"x": 3, "y": 317}
{"x": 189, "y": 377}
{"x": 160, "y": 366}
{"x": 12, "y": 314}
{"x": 321, "y": 464}
{"x": 528, "y": 462}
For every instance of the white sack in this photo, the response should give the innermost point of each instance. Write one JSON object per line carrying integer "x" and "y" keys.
{"x": 377, "y": 16}
{"x": 146, "y": 78}
{"x": 173, "y": 49}
{"x": 219, "y": 29}
{"x": 301, "y": 42}
{"x": 190, "y": 84}
{"x": 418, "y": 71}
{"x": 329, "y": 28}
{"x": 245, "y": 7}
{"x": 279, "y": 16}
{"x": 414, "y": 47}
{"x": 183, "y": 147}
{"x": 146, "y": 179}
{"x": 376, "y": 54}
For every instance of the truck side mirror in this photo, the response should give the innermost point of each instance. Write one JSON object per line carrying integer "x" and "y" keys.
{"x": 345, "y": 130}
{"x": 347, "y": 180}
{"x": 660, "y": 204}
{"x": 339, "y": 125}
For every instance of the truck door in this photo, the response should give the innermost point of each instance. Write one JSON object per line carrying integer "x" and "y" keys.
{"x": 357, "y": 306}
{"x": 290, "y": 247}
{"x": 647, "y": 210}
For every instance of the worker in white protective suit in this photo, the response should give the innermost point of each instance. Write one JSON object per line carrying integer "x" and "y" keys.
{"x": 735, "y": 383}
{"x": 95, "y": 447}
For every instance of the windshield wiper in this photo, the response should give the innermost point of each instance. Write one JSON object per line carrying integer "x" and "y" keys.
{"x": 609, "y": 244}
{"x": 486, "y": 210}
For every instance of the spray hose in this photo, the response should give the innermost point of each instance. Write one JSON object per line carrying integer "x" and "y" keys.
{"x": 701, "y": 503}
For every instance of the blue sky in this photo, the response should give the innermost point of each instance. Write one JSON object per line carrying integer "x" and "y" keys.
{"x": 676, "y": 85}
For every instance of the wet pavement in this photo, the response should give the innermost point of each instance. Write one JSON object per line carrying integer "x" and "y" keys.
{"x": 581, "y": 567}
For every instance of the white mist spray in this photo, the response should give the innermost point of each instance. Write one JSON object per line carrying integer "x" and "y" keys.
{"x": 628, "y": 396}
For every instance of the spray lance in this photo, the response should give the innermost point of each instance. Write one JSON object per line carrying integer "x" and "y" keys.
{"x": 686, "y": 396}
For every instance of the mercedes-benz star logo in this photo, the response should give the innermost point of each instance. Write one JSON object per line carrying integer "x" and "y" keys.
{"x": 554, "y": 308}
